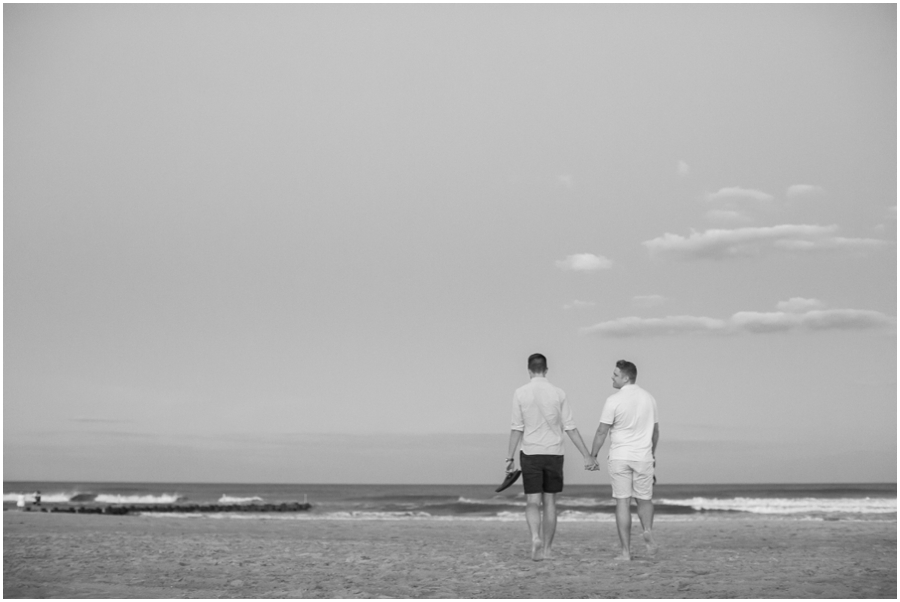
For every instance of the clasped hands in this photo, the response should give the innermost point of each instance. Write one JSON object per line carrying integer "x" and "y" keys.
{"x": 590, "y": 463}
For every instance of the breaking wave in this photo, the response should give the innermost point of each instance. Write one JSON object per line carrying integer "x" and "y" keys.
{"x": 789, "y": 505}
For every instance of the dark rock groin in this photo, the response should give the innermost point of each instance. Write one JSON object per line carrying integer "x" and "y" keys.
{"x": 120, "y": 509}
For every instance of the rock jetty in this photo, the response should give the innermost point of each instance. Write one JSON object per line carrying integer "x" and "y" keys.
{"x": 120, "y": 509}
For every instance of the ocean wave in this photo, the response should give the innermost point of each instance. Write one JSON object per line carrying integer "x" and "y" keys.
{"x": 58, "y": 498}
{"x": 227, "y": 499}
{"x": 163, "y": 498}
{"x": 566, "y": 516}
{"x": 790, "y": 505}
{"x": 64, "y": 497}
{"x": 560, "y": 501}
{"x": 496, "y": 501}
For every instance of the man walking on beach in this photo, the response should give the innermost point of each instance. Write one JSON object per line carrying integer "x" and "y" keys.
{"x": 631, "y": 419}
{"x": 540, "y": 414}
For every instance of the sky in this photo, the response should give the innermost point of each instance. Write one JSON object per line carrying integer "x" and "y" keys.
{"x": 317, "y": 243}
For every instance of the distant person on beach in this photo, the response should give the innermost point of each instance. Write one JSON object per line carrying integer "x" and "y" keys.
{"x": 631, "y": 420}
{"x": 540, "y": 414}
{"x": 37, "y": 498}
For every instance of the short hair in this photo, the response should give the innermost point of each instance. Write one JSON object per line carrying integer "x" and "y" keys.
{"x": 628, "y": 369}
{"x": 537, "y": 363}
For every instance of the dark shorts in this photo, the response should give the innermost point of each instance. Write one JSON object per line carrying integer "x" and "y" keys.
{"x": 541, "y": 473}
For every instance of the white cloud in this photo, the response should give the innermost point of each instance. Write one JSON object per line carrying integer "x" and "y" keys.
{"x": 634, "y": 326}
{"x": 795, "y": 304}
{"x": 724, "y": 243}
{"x": 727, "y": 215}
{"x": 648, "y": 300}
{"x": 683, "y": 169}
{"x": 584, "y": 262}
{"x": 798, "y": 190}
{"x": 576, "y": 304}
{"x": 745, "y": 322}
{"x": 833, "y": 243}
{"x": 819, "y": 319}
{"x": 742, "y": 242}
{"x": 736, "y": 193}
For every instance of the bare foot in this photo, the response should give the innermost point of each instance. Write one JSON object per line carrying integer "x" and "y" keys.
{"x": 537, "y": 550}
{"x": 547, "y": 554}
{"x": 652, "y": 546}
{"x": 625, "y": 555}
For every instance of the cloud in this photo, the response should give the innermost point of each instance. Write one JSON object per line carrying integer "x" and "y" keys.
{"x": 819, "y": 319}
{"x": 799, "y": 304}
{"x": 683, "y": 169}
{"x": 576, "y": 304}
{"x": 735, "y": 193}
{"x": 584, "y": 262}
{"x": 634, "y": 326}
{"x": 726, "y": 215}
{"x": 751, "y": 241}
{"x": 834, "y": 243}
{"x": 799, "y": 190}
{"x": 648, "y": 300}
{"x": 747, "y": 322}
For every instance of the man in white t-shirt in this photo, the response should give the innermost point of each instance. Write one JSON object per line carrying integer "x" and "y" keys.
{"x": 631, "y": 420}
{"x": 540, "y": 415}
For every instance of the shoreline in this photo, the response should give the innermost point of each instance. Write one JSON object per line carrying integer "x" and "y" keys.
{"x": 72, "y": 555}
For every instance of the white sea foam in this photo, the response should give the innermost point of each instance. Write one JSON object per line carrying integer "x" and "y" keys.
{"x": 492, "y": 502}
{"x": 560, "y": 501}
{"x": 164, "y": 498}
{"x": 107, "y": 498}
{"x": 58, "y": 498}
{"x": 790, "y": 505}
{"x": 227, "y": 499}
{"x": 566, "y": 516}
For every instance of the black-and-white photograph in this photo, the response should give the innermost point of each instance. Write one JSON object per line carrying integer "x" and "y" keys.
{"x": 450, "y": 301}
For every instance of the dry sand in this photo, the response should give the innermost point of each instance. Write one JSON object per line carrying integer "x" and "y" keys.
{"x": 77, "y": 556}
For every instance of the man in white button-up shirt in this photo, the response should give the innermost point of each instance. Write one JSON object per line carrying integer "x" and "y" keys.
{"x": 631, "y": 419}
{"x": 540, "y": 415}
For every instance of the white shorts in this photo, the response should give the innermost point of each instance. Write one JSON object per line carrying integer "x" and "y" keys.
{"x": 631, "y": 479}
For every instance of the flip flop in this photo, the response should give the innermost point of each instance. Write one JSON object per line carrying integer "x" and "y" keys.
{"x": 511, "y": 477}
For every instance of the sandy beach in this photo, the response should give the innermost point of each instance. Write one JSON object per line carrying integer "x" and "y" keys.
{"x": 75, "y": 556}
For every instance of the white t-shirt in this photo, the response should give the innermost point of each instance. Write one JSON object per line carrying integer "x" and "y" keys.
{"x": 632, "y": 413}
{"x": 540, "y": 411}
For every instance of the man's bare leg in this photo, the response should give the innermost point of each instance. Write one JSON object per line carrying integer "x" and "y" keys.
{"x": 533, "y": 518}
{"x": 623, "y": 524}
{"x": 645, "y": 514}
{"x": 549, "y": 523}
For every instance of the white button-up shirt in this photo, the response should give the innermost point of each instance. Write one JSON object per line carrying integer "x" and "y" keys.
{"x": 541, "y": 412}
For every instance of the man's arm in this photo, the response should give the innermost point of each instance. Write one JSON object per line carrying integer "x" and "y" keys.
{"x": 515, "y": 439}
{"x": 589, "y": 462}
{"x": 599, "y": 438}
{"x": 655, "y": 439}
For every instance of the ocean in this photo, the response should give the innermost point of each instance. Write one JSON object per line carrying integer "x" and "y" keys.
{"x": 876, "y": 501}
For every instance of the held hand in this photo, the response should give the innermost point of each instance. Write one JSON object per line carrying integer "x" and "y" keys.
{"x": 590, "y": 463}
{"x": 510, "y": 465}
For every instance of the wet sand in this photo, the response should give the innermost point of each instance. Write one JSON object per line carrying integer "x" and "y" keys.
{"x": 76, "y": 556}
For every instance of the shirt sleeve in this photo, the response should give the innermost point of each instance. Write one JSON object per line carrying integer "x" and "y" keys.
{"x": 655, "y": 411}
{"x": 565, "y": 412}
{"x": 608, "y": 415}
{"x": 518, "y": 422}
